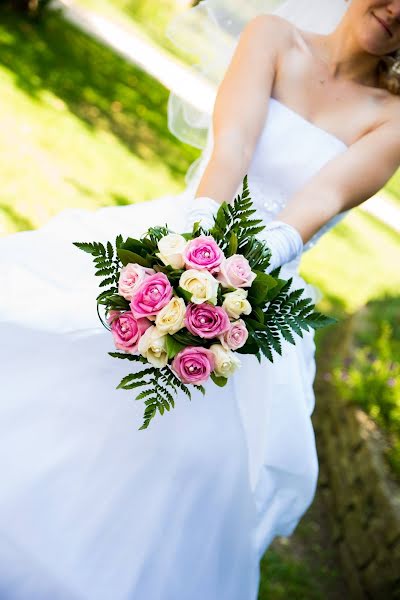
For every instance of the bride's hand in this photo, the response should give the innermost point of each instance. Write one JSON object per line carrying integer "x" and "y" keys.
{"x": 348, "y": 179}
{"x": 201, "y": 210}
{"x": 283, "y": 240}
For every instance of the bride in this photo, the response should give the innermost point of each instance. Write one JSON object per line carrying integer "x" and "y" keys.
{"x": 90, "y": 507}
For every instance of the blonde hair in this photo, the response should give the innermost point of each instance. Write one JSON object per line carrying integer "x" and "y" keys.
{"x": 389, "y": 72}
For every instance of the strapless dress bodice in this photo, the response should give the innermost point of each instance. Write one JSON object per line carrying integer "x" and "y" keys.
{"x": 289, "y": 152}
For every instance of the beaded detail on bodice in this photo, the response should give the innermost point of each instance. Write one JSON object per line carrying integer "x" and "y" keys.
{"x": 290, "y": 150}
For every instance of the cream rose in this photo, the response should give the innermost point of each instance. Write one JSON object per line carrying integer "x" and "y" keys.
{"x": 236, "y": 303}
{"x": 226, "y": 362}
{"x": 152, "y": 346}
{"x": 171, "y": 318}
{"x": 171, "y": 249}
{"x": 201, "y": 284}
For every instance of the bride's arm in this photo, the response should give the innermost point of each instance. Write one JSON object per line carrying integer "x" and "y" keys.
{"x": 241, "y": 105}
{"x": 347, "y": 180}
{"x": 239, "y": 115}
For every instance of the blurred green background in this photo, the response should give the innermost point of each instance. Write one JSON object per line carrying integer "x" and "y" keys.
{"x": 82, "y": 127}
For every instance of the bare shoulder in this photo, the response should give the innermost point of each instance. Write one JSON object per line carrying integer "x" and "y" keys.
{"x": 382, "y": 139}
{"x": 265, "y": 25}
{"x": 391, "y": 113}
{"x": 271, "y": 31}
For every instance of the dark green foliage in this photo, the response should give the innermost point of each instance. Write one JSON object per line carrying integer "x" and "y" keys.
{"x": 235, "y": 229}
{"x": 277, "y": 313}
{"x": 219, "y": 381}
{"x": 126, "y": 256}
{"x": 367, "y": 371}
{"x": 142, "y": 252}
{"x": 183, "y": 336}
{"x": 154, "y": 234}
{"x": 257, "y": 253}
{"x": 262, "y": 289}
{"x": 187, "y": 296}
{"x": 30, "y": 8}
{"x": 160, "y": 387}
{"x": 284, "y": 315}
{"x": 107, "y": 266}
{"x": 131, "y": 357}
{"x": 173, "y": 346}
{"x": 157, "y": 396}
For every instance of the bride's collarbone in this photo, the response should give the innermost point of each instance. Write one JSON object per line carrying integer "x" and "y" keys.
{"x": 346, "y": 108}
{"x": 348, "y": 114}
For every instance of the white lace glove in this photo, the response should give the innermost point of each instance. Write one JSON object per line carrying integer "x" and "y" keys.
{"x": 284, "y": 240}
{"x": 202, "y": 209}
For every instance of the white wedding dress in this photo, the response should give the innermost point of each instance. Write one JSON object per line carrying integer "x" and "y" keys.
{"x": 90, "y": 507}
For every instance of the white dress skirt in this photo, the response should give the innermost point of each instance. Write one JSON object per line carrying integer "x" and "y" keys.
{"x": 90, "y": 507}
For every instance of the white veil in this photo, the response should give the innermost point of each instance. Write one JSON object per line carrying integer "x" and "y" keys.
{"x": 208, "y": 34}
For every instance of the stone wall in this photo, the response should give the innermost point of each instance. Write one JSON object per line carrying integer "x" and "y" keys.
{"x": 362, "y": 500}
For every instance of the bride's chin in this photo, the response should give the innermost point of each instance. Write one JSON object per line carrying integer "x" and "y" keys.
{"x": 371, "y": 45}
{"x": 373, "y": 42}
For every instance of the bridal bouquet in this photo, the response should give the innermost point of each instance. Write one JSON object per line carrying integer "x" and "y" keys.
{"x": 186, "y": 306}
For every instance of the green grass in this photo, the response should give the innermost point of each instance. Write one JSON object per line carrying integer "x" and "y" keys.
{"x": 80, "y": 127}
{"x": 148, "y": 16}
{"x": 368, "y": 374}
{"x": 285, "y": 577}
{"x": 393, "y": 188}
{"x": 306, "y": 565}
{"x": 353, "y": 263}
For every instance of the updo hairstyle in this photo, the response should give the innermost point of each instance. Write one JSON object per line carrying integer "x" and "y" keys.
{"x": 389, "y": 72}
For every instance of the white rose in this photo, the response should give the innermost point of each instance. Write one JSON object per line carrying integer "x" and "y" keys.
{"x": 226, "y": 362}
{"x": 235, "y": 303}
{"x": 152, "y": 346}
{"x": 171, "y": 318}
{"x": 201, "y": 284}
{"x": 171, "y": 249}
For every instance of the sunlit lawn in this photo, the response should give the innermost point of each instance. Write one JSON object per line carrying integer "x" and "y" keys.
{"x": 353, "y": 263}
{"x": 393, "y": 187}
{"x": 79, "y": 126}
{"x": 151, "y": 17}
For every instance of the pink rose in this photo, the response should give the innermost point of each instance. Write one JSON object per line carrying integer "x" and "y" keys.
{"x": 203, "y": 253}
{"x": 206, "y": 320}
{"x": 151, "y": 296}
{"x": 131, "y": 276}
{"x": 127, "y": 330}
{"x": 235, "y": 272}
{"x": 193, "y": 365}
{"x": 235, "y": 337}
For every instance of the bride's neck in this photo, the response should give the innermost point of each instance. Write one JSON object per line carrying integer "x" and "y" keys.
{"x": 345, "y": 59}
